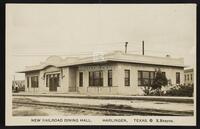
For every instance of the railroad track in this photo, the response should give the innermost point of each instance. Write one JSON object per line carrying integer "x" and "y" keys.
{"x": 133, "y": 111}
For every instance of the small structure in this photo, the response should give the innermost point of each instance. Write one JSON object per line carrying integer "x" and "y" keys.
{"x": 18, "y": 85}
{"x": 189, "y": 76}
{"x": 111, "y": 73}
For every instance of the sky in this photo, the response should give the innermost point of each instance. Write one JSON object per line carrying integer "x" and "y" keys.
{"x": 34, "y": 32}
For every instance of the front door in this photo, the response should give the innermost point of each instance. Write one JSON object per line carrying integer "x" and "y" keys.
{"x": 53, "y": 82}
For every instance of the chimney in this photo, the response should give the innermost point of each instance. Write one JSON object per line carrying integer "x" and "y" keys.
{"x": 126, "y": 43}
{"x": 143, "y": 47}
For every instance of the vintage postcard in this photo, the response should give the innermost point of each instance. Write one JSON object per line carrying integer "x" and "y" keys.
{"x": 101, "y": 64}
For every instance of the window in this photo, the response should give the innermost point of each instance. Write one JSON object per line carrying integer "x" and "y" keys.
{"x": 177, "y": 77}
{"x": 145, "y": 78}
{"x": 127, "y": 78}
{"x": 191, "y": 76}
{"x": 34, "y": 82}
{"x": 163, "y": 73}
{"x": 27, "y": 82}
{"x": 96, "y": 78}
{"x": 80, "y": 79}
{"x": 47, "y": 81}
{"x": 188, "y": 77}
{"x": 185, "y": 77}
{"x": 109, "y": 77}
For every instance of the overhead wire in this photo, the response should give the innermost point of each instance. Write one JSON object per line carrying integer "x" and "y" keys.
{"x": 134, "y": 45}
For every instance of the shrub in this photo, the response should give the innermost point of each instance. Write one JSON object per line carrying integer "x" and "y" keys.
{"x": 157, "y": 92}
{"x": 147, "y": 90}
{"x": 181, "y": 90}
{"x": 154, "y": 88}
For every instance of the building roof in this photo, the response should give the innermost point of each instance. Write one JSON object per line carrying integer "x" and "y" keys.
{"x": 188, "y": 70}
{"x": 116, "y": 56}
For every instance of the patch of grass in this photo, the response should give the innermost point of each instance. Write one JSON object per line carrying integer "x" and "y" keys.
{"x": 107, "y": 113}
{"x": 29, "y": 113}
{"x": 23, "y": 100}
{"x": 160, "y": 103}
{"x": 113, "y": 106}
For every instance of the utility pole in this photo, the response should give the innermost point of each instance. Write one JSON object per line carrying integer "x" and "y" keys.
{"x": 143, "y": 47}
{"x": 126, "y": 43}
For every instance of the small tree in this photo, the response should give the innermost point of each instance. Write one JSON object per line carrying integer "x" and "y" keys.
{"x": 154, "y": 88}
{"x": 159, "y": 81}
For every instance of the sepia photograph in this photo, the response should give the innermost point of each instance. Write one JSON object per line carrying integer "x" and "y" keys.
{"x": 101, "y": 64}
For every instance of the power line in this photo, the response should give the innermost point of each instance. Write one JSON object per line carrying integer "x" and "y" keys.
{"x": 132, "y": 44}
{"x": 158, "y": 51}
{"x": 104, "y": 43}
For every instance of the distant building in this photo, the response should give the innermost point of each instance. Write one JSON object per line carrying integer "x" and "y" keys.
{"x": 112, "y": 73}
{"x": 19, "y": 84}
{"x": 189, "y": 76}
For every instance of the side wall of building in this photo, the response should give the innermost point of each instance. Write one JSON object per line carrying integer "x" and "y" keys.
{"x": 105, "y": 89}
{"x": 28, "y": 87}
{"x": 189, "y": 77}
{"x": 134, "y": 68}
{"x": 118, "y": 75}
{"x": 69, "y": 78}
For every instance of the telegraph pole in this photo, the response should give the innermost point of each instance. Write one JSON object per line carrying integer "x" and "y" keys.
{"x": 126, "y": 43}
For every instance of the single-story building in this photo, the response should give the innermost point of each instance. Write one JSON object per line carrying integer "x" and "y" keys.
{"x": 113, "y": 73}
{"x": 189, "y": 76}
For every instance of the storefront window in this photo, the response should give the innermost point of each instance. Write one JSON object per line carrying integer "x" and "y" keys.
{"x": 145, "y": 78}
{"x": 96, "y": 78}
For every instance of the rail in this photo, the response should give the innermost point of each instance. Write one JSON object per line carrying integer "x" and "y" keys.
{"x": 133, "y": 111}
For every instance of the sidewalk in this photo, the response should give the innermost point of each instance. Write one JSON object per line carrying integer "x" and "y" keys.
{"x": 111, "y": 97}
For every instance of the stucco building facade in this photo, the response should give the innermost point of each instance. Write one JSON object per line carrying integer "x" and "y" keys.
{"x": 189, "y": 76}
{"x": 114, "y": 73}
